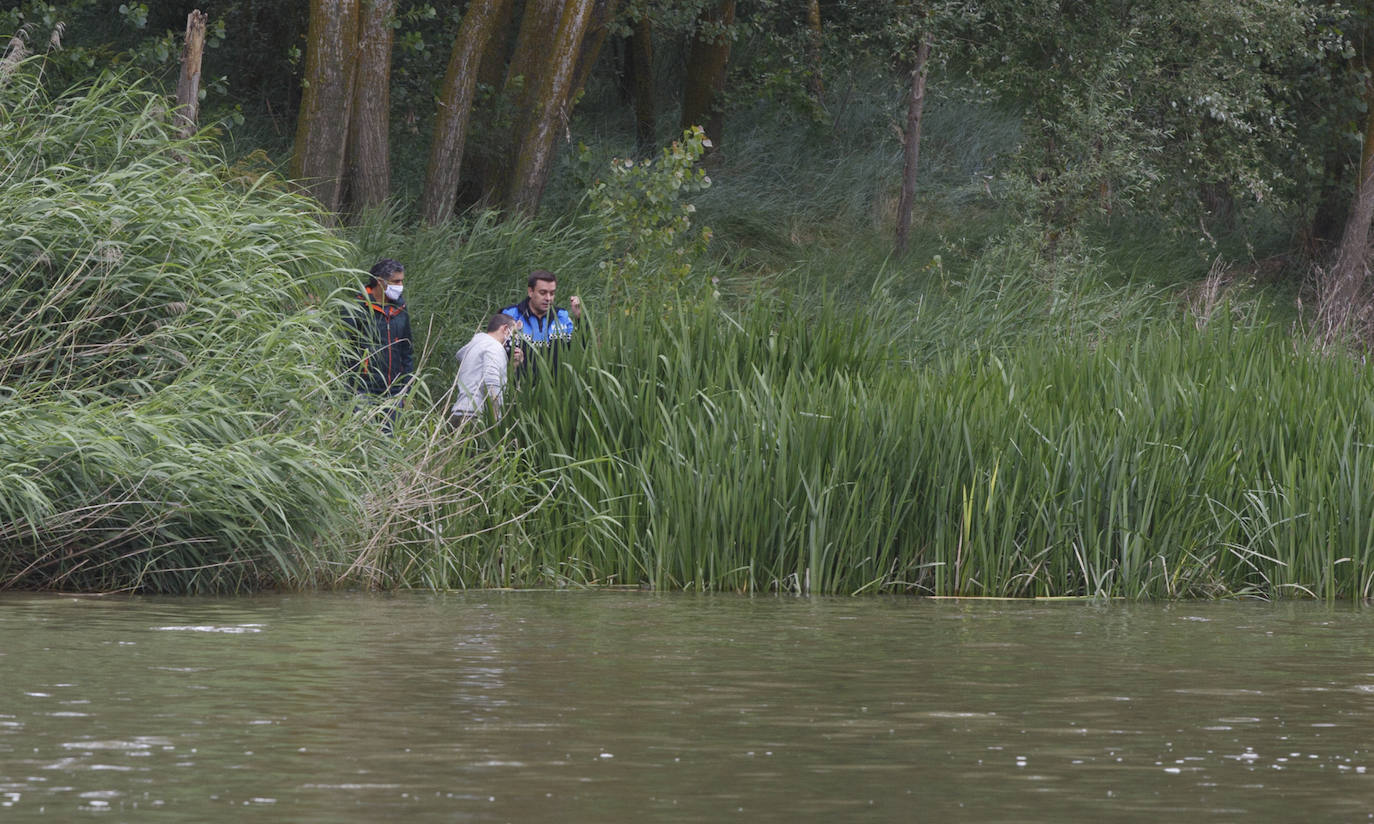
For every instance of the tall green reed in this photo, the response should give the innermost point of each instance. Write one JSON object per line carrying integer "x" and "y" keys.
{"x": 776, "y": 449}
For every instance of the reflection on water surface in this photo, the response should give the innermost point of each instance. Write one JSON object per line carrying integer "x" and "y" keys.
{"x": 596, "y": 707}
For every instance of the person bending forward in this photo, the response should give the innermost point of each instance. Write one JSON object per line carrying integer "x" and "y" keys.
{"x": 482, "y": 370}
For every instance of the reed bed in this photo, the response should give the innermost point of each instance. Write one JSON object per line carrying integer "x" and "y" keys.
{"x": 160, "y": 345}
{"x": 771, "y": 450}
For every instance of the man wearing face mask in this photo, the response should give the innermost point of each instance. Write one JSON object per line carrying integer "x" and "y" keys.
{"x": 384, "y": 358}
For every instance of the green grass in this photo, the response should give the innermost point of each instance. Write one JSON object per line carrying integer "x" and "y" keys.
{"x": 973, "y": 418}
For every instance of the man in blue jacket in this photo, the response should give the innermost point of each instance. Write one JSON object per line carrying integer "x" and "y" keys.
{"x": 543, "y": 326}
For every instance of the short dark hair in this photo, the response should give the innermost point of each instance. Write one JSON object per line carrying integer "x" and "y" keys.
{"x": 500, "y": 320}
{"x": 541, "y": 274}
{"x": 383, "y": 270}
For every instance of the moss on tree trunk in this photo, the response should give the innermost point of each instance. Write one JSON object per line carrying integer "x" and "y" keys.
{"x": 480, "y": 23}
{"x": 317, "y": 164}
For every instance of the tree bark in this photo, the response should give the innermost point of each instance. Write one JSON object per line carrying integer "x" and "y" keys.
{"x": 549, "y": 110}
{"x": 317, "y": 164}
{"x": 491, "y": 71}
{"x": 642, "y": 69}
{"x": 706, "y": 64}
{"x": 534, "y": 43}
{"x": 480, "y": 23}
{"x": 1343, "y": 283}
{"x": 814, "y": 33}
{"x": 538, "y": 31}
{"x": 188, "y": 85}
{"x": 911, "y": 141}
{"x": 369, "y": 147}
{"x": 482, "y": 171}
{"x": 597, "y": 29}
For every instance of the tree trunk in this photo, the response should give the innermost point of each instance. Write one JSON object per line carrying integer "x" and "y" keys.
{"x": 369, "y": 148}
{"x": 491, "y": 70}
{"x": 597, "y": 29}
{"x": 549, "y": 109}
{"x": 816, "y": 81}
{"x": 911, "y": 141}
{"x": 538, "y": 31}
{"x": 482, "y": 163}
{"x": 1342, "y": 285}
{"x": 706, "y": 65}
{"x": 642, "y": 69}
{"x": 481, "y": 22}
{"x": 317, "y": 163}
{"x": 533, "y": 44}
{"x": 188, "y": 85}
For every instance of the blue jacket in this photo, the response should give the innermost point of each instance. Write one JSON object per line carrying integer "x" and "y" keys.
{"x": 546, "y": 335}
{"x": 546, "y": 332}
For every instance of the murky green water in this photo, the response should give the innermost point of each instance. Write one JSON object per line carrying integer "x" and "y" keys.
{"x": 611, "y": 707}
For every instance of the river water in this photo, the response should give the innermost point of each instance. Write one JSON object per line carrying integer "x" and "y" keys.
{"x": 636, "y": 707}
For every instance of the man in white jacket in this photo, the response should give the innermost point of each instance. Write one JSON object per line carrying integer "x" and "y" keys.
{"x": 482, "y": 369}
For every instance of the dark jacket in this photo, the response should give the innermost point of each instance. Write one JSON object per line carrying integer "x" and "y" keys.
{"x": 383, "y": 357}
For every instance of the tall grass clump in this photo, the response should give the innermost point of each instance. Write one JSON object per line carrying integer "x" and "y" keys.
{"x": 167, "y": 356}
{"x": 174, "y": 416}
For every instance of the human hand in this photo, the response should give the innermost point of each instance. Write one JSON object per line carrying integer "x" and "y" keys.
{"x": 575, "y": 306}
{"x": 517, "y": 356}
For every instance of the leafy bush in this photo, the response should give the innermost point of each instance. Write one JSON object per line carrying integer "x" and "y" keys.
{"x": 646, "y": 228}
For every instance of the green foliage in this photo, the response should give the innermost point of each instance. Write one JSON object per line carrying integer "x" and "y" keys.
{"x": 136, "y": 14}
{"x": 173, "y": 418}
{"x": 1149, "y": 106}
{"x": 977, "y": 418}
{"x": 160, "y": 349}
{"x": 646, "y": 231}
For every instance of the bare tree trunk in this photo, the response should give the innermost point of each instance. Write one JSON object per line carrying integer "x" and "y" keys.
{"x": 549, "y": 110}
{"x": 642, "y": 67}
{"x": 911, "y": 141}
{"x": 1340, "y": 289}
{"x": 706, "y": 64}
{"x": 538, "y": 31}
{"x": 369, "y": 147}
{"x": 814, "y": 34}
{"x": 480, "y": 22}
{"x": 491, "y": 70}
{"x": 317, "y": 164}
{"x": 188, "y": 85}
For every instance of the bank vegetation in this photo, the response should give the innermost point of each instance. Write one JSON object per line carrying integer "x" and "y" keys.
{"x": 1106, "y": 378}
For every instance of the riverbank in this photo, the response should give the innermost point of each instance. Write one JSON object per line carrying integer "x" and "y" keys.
{"x": 787, "y": 408}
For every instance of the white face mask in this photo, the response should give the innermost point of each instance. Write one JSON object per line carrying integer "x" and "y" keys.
{"x": 393, "y": 291}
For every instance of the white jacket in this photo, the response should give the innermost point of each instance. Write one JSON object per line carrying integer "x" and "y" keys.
{"x": 481, "y": 375}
